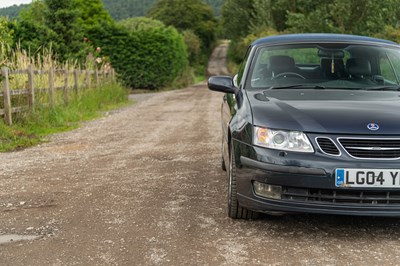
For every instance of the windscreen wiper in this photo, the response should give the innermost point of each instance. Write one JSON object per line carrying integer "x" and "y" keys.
{"x": 301, "y": 86}
{"x": 383, "y": 88}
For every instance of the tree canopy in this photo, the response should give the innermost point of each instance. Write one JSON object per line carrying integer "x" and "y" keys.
{"x": 141, "y": 23}
{"x": 263, "y": 17}
{"x": 61, "y": 17}
{"x": 91, "y": 13}
{"x": 192, "y": 15}
{"x": 362, "y": 17}
{"x": 118, "y": 9}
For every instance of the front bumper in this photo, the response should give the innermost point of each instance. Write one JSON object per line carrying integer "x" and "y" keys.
{"x": 308, "y": 183}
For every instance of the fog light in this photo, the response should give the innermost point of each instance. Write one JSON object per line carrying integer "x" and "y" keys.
{"x": 267, "y": 191}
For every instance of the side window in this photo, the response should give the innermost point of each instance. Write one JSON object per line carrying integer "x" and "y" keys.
{"x": 242, "y": 66}
{"x": 386, "y": 69}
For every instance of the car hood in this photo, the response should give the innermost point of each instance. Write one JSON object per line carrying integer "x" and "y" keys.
{"x": 327, "y": 111}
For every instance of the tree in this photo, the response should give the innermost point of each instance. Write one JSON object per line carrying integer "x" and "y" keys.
{"x": 193, "y": 45}
{"x": 91, "y": 13}
{"x": 34, "y": 13}
{"x": 31, "y": 30}
{"x": 363, "y": 17}
{"x": 236, "y": 15}
{"x": 61, "y": 17}
{"x": 216, "y": 5}
{"x": 261, "y": 16}
{"x": 245, "y": 20}
{"x": 6, "y": 32}
{"x": 192, "y": 15}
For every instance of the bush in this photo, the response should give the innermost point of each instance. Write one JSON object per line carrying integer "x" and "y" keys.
{"x": 193, "y": 44}
{"x": 141, "y": 23}
{"x": 147, "y": 59}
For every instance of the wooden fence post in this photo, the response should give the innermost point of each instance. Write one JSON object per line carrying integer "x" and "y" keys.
{"x": 51, "y": 86}
{"x": 88, "y": 78}
{"x": 31, "y": 87}
{"x": 6, "y": 96}
{"x": 66, "y": 74}
{"x": 97, "y": 77}
{"x": 76, "y": 82}
{"x": 113, "y": 75}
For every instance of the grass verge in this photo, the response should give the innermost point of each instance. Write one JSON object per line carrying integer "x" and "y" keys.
{"x": 32, "y": 128}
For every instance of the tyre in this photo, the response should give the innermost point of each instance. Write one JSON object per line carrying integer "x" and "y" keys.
{"x": 223, "y": 167}
{"x": 234, "y": 210}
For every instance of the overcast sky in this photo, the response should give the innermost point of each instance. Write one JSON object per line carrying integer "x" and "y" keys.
{"x": 4, "y": 3}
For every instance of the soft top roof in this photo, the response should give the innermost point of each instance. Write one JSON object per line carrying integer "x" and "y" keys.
{"x": 319, "y": 37}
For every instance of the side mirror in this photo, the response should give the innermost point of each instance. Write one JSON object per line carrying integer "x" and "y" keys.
{"x": 222, "y": 84}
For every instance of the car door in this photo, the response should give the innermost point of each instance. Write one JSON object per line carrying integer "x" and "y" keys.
{"x": 229, "y": 104}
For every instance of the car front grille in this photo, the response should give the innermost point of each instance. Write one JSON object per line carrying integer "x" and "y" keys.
{"x": 372, "y": 148}
{"x": 328, "y": 146}
{"x": 332, "y": 196}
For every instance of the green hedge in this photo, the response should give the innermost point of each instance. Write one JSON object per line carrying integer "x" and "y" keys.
{"x": 148, "y": 59}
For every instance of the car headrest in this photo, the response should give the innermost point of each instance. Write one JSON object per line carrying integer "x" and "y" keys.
{"x": 281, "y": 63}
{"x": 358, "y": 67}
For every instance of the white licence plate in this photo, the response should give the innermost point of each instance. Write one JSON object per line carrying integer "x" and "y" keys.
{"x": 378, "y": 178}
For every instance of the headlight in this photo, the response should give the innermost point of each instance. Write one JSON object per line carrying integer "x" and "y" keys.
{"x": 282, "y": 140}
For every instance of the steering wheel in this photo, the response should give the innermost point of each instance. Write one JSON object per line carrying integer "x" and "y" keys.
{"x": 286, "y": 74}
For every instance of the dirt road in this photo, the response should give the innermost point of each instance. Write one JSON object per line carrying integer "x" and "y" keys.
{"x": 143, "y": 186}
{"x": 218, "y": 64}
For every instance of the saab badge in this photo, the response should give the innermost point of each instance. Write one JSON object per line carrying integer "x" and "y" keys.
{"x": 373, "y": 126}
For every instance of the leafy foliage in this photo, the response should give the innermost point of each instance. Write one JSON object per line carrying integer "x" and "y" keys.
{"x": 61, "y": 17}
{"x": 123, "y": 9}
{"x": 216, "y": 5}
{"x": 193, "y": 45}
{"x": 31, "y": 30}
{"x": 144, "y": 52}
{"x": 192, "y": 15}
{"x": 367, "y": 17}
{"x": 141, "y": 23}
{"x": 239, "y": 47}
{"x": 91, "y": 13}
{"x": 6, "y": 32}
{"x": 236, "y": 15}
{"x": 33, "y": 36}
{"x": 59, "y": 24}
{"x": 118, "y": 9}
{"x": 148, "y": 59}
{"x": 361, "y": 17}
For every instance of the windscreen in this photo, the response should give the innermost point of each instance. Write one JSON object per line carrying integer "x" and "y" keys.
{"x": 350, "y": 66}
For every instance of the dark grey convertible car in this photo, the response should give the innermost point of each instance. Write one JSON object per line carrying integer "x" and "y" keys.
{"x": 311, "y": 123}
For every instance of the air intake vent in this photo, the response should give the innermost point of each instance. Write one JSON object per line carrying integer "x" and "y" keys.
{"x": 327, "y": 146}
{"x": 329, "y": 196}
{"x": 372, "y": 148}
